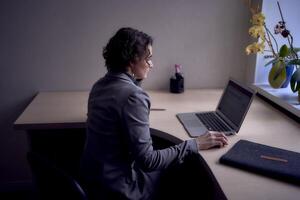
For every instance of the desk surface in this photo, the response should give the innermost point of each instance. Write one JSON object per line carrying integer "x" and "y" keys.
{"x": 263, "y": 124}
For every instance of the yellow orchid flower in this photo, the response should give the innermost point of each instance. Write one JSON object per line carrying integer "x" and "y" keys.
{"x": 257, "y": 31}
{"x": 258, "y": 19}
{"x": 255, "y": 48}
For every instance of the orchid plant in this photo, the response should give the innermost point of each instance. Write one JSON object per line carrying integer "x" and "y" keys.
{"x": 281, "y": 57}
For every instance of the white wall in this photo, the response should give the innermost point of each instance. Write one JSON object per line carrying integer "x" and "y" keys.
{"x": 291, "y": 14}
{"x": 57, "y": 45}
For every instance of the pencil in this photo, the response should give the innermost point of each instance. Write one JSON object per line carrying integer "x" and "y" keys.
{"x": 273, "y": 158}
{"x": 157, "y": 109}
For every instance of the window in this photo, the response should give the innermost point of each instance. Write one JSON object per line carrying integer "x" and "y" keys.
{"x": 283, "y": 96}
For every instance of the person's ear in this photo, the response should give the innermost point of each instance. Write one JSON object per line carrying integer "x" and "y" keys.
{"x": 131, "y": 65}
{"x": 130, "y": 68}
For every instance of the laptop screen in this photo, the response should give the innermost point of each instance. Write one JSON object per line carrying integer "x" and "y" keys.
{"x": 235, "y": 102}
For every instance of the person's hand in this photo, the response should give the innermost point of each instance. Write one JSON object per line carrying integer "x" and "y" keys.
{"x": 211, "y": 139}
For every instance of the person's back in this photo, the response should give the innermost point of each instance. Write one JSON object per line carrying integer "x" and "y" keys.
{"x": 107, "y": 158}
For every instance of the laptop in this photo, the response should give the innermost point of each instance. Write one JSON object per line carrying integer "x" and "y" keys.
{"x": 228, "y": 116}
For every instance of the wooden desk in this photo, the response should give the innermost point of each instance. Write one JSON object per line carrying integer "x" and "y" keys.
{"x": 263, "y": 124}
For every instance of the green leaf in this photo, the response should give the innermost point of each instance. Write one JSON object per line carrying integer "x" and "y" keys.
{"x": 271, "y": 62}
{"x": 277, "y": 74}
{"x": 295, "y": 81}
{"x": 293, "y": 54}
{"x": 290, "y": 52}
{"x": 296, "y": 49}
{"x": 284, "y": 51}
{"x": 294, "y": 62}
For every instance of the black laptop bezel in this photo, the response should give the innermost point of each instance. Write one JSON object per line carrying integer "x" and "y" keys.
{"x": 235, "y": 127}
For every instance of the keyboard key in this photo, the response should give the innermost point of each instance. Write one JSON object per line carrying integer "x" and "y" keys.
{"x": 212, "y": 122}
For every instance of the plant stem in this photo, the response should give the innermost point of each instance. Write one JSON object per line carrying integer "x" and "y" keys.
{"x": 273, "y": 39}
{"x": 289, "y": 40}
{"x": 280, "y": 11}
{"x": 292, "y": 47}
{"x": 269, "y": 41}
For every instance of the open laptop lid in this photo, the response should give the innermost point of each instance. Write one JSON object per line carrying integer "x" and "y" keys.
{"x": 234, "y": 103}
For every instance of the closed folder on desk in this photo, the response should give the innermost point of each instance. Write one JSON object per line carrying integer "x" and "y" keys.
{"x": 266, "y": 160}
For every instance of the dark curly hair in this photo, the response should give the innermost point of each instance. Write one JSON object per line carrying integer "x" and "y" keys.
{"x": 125, "y": 46}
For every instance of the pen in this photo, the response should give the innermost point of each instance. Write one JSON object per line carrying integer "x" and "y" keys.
{"x": 273, "y": 158}
{"x": 157, "y": 109}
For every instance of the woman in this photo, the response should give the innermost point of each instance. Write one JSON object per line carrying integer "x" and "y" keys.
{"x": 119, "y": 161}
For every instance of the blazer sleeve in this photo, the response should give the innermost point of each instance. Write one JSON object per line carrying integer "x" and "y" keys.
{"x": 135, "y": 114}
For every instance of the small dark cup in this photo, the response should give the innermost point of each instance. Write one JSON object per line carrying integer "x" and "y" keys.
{"x": 176, "y": 85}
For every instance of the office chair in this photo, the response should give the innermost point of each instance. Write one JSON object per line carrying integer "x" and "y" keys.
{"x": 52, "y": 182}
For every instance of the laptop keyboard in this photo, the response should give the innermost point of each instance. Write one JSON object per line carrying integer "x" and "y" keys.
{"x": 212, "y": 122}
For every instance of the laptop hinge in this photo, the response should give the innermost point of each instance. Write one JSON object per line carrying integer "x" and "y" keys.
{"x": 228, "y": 122}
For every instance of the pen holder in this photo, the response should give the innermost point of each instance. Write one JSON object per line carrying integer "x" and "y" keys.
{"x": 176, "y": 85}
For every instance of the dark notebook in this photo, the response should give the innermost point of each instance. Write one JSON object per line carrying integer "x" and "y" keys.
{"x": 266, "y": 160}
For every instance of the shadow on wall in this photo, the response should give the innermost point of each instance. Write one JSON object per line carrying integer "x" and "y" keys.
{"x": 14, "y": 167}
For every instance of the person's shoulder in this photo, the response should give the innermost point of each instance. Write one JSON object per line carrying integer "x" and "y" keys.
{"x": 139, "y": 97}
{"x": 139, "y": 93}
{"x": 133, "y": 90}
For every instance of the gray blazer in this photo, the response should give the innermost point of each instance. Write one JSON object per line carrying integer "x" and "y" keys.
{"x": 118, "y": 153}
